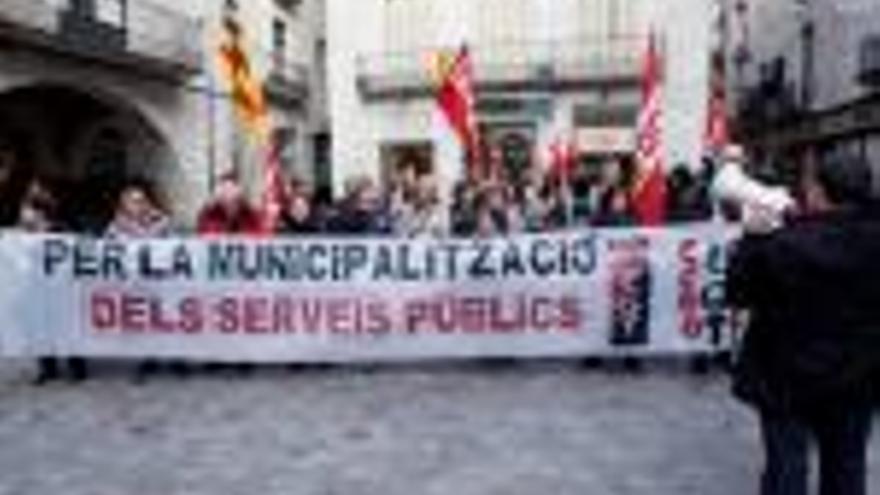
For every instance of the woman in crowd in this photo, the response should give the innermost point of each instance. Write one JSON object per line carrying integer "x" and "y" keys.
{"x": 422, "y": 217}
{"x": 139, "y": 216}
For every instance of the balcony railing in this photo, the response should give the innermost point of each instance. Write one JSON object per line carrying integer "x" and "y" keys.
{"x": 145, "y": 36}
{"x": 559, "y": 64}
{"x": 287, "y": 80}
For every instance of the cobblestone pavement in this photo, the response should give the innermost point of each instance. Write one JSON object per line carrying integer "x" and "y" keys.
{"x": 462, "y": 430}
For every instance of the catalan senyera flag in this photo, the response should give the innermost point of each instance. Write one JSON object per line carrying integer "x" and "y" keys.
{"x": 245, "y": 88}
{"x": 455, "y": 96}
{"x": 648, "y": 194}
{"x": 249, "y": 100}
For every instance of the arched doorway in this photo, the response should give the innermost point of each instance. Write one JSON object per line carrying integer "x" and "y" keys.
{"x": 84, "y": 146}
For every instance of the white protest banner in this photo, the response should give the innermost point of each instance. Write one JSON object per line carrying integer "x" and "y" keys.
{"x": 589, "y": 293}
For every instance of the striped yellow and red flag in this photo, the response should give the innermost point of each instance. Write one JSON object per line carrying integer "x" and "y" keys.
{"x": 245, "y": 88}
{"x": 251, "y": 107}
{"x": 455, "y": 94}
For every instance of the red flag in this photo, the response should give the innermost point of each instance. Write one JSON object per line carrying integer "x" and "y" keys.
{"x": 717, "y": 133}
{"x": 648, "y": 193}
{"x": 456, "y": 96}
{"x": 274, "y": 197}
{"x": 563, "y": 158}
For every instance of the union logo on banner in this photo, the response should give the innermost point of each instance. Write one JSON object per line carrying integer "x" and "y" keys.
{"x": 630, "y": 290}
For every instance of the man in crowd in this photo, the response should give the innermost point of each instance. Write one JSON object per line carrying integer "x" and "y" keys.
{"x": 229, "y": 212}
{"x": 813, "y": 340}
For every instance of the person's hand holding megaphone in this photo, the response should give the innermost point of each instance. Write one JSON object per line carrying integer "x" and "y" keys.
{"x": 764, "y": 208}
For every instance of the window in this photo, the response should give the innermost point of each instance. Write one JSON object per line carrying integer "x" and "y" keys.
{"x": 285, "y": 139}
{"x": 279, "y": 43}
{"x": 110, "y": 12}
{"x": 290, "y": 6}
{"x": 618, "y": 115}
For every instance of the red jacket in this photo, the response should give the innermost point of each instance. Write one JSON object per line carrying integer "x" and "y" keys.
{"x": 214, "y": 219}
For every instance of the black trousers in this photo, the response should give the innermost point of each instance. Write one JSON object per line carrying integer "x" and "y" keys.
{"x": 840, "y": 432}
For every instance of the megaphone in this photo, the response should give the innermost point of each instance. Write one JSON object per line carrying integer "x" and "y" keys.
{"x": 732, "y": 184}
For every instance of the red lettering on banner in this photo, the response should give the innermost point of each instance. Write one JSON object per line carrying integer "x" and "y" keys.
{"x": 570, "y": 314}
{"x": 134, "y": 313}
{"x": 541, "y": 315}
{"x": 192, "y": 320}
{"x": 255, "y": 316}
{"x": 103, "y": 312}
{"x": 486, "y": 315}
{"x": 378, "y": 320}
{"x": 339, "y": 319}
{"x": 126, "y": 313}
{"x": 311, "y": 315}
{"x": 689, "y": 300}
{"x": 227, "y": 316}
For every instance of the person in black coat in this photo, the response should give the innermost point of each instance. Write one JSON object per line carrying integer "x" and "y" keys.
{"x": 813, "y": 339}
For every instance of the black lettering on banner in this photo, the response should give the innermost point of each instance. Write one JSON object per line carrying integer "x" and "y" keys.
{"x": 317, "y": 255}
{"x": 145, "y": 262}
{"x": 714, "y": 293}
{"x": 356, "y": 257}
{"x": 583, "y": 255}
{"x": 55, "y": 253}
{"x": 382, "y": 269}
{"x": 480, "y": 267}
{"x": 511, "y": 261}
{"x": 452, "y": 253}
{"x": 113, "y": 265}
{"x": 181, "y": 262}
{"x": 542, "y": 266}
{"x": 220, "y": 261}
{"x": 276, "y": 265}
{"x": 407, "y": 270}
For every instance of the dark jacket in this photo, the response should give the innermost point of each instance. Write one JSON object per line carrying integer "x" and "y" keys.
{"x": 812, "y": 289}
{"x": 352, "y": 221}
{"x": 291, "y": 226}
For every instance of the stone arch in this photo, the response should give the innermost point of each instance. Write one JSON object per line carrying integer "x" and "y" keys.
{"x": 89, "y": 142}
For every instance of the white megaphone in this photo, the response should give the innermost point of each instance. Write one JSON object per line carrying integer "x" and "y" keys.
{"x": 760, "y": 203}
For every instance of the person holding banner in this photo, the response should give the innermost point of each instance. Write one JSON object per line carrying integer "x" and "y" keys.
{"x": 139, "y": 216}
{"x": 229, "y": 213}
{"x": 812, "y": 346}
{"x": 38, "y": 215}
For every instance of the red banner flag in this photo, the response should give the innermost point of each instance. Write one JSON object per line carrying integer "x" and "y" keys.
{"x": 717, "y": 133}
{"x": 274, "y": 197}
{"x": 563, "y": 158}
{"x": 648, "y": 192}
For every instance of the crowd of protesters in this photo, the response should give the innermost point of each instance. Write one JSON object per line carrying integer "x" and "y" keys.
{"x": 411, "y": 205}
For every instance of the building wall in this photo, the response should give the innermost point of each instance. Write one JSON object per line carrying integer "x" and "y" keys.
{"x": 195, "y": 117}
{"x": 414, "y": 28}
{"x": 775, "y": 31}
{"x": 839, "y": 27}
